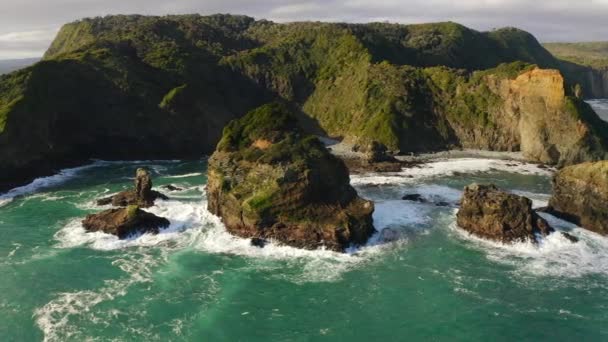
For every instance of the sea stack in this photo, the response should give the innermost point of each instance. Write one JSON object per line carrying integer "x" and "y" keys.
{"x": 490, "y": 213}
{"x": 268, "y": 179}
{"x": 580, "y": 195}
{"x": 142, "y": 195}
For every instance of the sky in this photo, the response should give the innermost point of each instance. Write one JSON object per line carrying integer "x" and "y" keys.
{"x": 27, "y": 27}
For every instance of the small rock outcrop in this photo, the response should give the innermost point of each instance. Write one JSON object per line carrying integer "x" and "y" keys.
{"x": 172, "y": 187}
{"x": 376, "y": 152}
{"x": 124, "y": 222}
{"x": 269, "y": 180}
{"x": 414, "y": 198}
{"x": 142, "y": 195}
{"x": 580, "y": 195}
{"x": 490, "y": 213}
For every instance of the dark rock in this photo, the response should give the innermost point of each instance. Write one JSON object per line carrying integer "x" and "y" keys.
{"x": 104, "y": 201}
{"x": 376, "y": 152}
{"x": 142, "y": 195}
{"x": 257, "y": 242}
{"x": 389, "y": 235}
{"x": 570, "y": 237}
{"x": 124, "y": 222}
{"x": 269, "y": 180}
{"x": 493, "y": 214}
{"x": 130, "y": 197}
{"x": 414, "y": 198}
{"x": 580, "y": 195}
{"x": 442, "y": 204}
{"x": 172, "y": 187}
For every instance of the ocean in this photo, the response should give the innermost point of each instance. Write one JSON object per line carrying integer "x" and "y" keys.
{"x": 195, "y": 282}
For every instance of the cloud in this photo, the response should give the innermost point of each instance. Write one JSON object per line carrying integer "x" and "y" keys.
{"x": 550, "y": 20}
{"x": 25, "y": 44}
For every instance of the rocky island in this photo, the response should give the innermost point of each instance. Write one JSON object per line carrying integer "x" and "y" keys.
{"x": 142, "y": 195}
{"x": 130, "y": 218}
{"x": 490, "y": 213}
{"x": 270, "y": 180}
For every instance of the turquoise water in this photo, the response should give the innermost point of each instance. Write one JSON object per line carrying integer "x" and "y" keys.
{"x": 194, "y": 282}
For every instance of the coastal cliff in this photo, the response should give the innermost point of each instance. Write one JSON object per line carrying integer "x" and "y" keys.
{"x": 134, "y": 87}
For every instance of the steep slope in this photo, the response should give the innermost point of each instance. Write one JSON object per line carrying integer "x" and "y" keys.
{"x": 116, "y": 100}
{"x": 156, "y": 87}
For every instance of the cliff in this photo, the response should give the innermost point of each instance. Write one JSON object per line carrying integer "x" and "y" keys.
{"x": 168, "y": 85}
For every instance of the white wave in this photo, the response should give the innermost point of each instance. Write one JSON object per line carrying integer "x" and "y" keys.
{"x": 538, "y": 200}
{"x": 554, "y": 255}
{"x": 400, "y": 213}
{"x": 182, "y": 216}
{"x": 186, "y": 175}
{"x": 193, "y": 226}
{"x": 46, "y": 182}
{"x": 449, "y": 167}
{"x": 56, "y": 318}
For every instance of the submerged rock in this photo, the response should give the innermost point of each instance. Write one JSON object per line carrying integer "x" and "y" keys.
{"x": 570, "y": 237}
{"x": 172, "y": 187}
{"x": 142, "y": 195}
{"x": 257, "y": 242}
{"x": 580, "y": 195}
{"x": 267, "y": 179}
{"x": 124, "y": 222}
{"x": 414, "y": 198}
{"x": 376, "y": 152}
{"x": 389, "y": 235}
{"x": 493, "y": 214}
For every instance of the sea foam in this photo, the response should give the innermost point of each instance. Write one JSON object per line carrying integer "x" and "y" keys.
{"x": 553, "y": 256}
{"x": 448, "y": 167}
{"x": 46, "y": 182}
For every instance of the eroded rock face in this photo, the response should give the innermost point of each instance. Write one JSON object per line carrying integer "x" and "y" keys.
{"x": 124, "y": 222}
{"x": 493, "y": 214}
{"x": 142, "y": 195}
{"x": 269, "y": 180}
{"x": 580, "y": 195}
{"x": 538, "y": 118}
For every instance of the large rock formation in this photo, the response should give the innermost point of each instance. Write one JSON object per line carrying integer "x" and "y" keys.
{"x": 269, "y": 180}
{"x": 124, "y": 222}
{"x": 580, "y": 195}
{"x": 142, "y": 195}
{"x": 493, "y": 214}
{"x": 550, "y": 126}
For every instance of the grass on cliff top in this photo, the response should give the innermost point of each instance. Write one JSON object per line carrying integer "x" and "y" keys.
{"x": 593, "y": 54}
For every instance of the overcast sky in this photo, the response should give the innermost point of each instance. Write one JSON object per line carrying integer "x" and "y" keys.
{"x": 28, "y": 26}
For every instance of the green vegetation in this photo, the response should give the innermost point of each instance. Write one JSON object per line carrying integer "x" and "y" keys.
{"x": 132, "y": 211}
{"x": 138, "y": 80}
{"x": 592, "y": 54}
{"x": 172, "y": 96}
{"x": 270, "y": 134}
